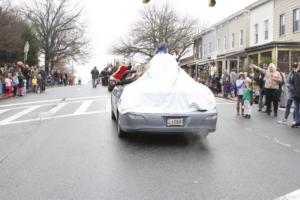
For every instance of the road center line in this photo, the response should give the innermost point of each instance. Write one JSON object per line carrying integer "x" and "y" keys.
{"x": 18, "y": 115}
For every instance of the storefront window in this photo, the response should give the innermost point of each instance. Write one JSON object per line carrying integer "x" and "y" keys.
{"x": 266, "y": 58}
{"x": 253, "y": 59}
{"x": 295, "y": 57}
{"x": 283, "y": 60}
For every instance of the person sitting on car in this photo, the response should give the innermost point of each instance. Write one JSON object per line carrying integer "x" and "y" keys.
{"x": 120, "y": 72}
{"x": 128, "y": 77}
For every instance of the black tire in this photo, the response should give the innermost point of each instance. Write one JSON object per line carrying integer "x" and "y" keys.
{"x": 113, "y": 117}
{"x": 121, "y": 133}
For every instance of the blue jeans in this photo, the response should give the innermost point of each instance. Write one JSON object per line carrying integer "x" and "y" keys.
{"x": 288, "y": 108}
{"x": 297, "y": 114}
{"x": 94, "y": 82}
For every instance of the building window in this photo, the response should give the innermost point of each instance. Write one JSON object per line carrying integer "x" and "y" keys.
{"x": 218, "y": 44}
{"x": 242, "y": 37}
{"x": 225, "y": 42}
{"x": 282, "y": 25}
{"x": 296, "y": 20}
{"x": 232, "y": 40}
{"x": 283, "y": 60}
{"x": 204, "y": 50}
{"x": 200, "y": 51}
{"x": 295, "y": 57}
{"x": 209, "y": 48}
{"x": 266, "y": 29}
{"x": 256, "y": 33}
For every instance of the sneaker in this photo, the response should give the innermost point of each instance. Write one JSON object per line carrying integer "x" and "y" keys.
{"x": 283, "y": 121}
{"x": 295, "y": 125}
{"x": 246, "y": 116}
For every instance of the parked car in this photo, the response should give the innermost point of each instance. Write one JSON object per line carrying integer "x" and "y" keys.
{"x": 201, "y": 121}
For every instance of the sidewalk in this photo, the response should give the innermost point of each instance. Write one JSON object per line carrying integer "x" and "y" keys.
{"x": 220, "y": 95}
{"x": 2, "y": 97}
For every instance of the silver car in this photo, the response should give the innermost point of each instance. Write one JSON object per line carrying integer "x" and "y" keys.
{"x": 202, "y": 121}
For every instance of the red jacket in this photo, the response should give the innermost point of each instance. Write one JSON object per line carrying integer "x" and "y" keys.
{"x": 118, "y": 74}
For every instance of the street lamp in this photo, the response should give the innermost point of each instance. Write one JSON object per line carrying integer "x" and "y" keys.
{"x": 211, "y": 3}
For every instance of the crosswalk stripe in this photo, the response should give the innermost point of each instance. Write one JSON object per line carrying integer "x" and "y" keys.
{"x": 291, "y": 196}
{"x": 108, "y": 105}
{"x": 3, "y": 111}
{"x": 55, "y": 100}
{"x": 58, "y": 107}
{"x": 53, "y": 117}
{"x": 28, "y": 103}
{"x": 83, "y": 98}
{"x": 18, "y": 115}
{"x": 83, "y": 107}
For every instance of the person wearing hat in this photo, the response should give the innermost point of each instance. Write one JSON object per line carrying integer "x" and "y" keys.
{"x": 289, "y": 92}
{"x": 272, "y": 84}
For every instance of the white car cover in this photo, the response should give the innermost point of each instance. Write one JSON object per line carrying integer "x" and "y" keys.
{"x": 165, "y": 88}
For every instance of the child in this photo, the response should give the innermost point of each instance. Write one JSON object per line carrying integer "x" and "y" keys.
{"x": 24, "y": 87}
{"x": 15, "y": 82}
{"x": 247, "y": 100}
{"x": 20, "y": 85}
{"x": 34, "y": 83}
{"x": 8, "y": 85}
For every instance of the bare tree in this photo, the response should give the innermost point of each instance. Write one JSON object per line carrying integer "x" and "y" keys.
{"x": 10, "y": 36}
{"x": 59, "y": 29}
{"x": 155, "y": 26}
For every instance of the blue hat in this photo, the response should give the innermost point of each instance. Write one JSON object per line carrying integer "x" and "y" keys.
{"x": 161, "y": 48}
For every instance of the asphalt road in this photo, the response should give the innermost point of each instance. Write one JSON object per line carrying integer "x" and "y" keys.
{"x": 63, "y": 145}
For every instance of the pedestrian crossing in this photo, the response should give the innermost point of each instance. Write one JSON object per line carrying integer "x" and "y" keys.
{"x": 27, "y": 112}
{"x": 52, "y": 109}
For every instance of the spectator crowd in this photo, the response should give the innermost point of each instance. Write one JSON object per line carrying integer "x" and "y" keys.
{"x": 267, "y": 86}
{"x": 17, "y": 79}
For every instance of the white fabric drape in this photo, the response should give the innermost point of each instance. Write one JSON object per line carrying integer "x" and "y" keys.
{"x": 165, "y": 88}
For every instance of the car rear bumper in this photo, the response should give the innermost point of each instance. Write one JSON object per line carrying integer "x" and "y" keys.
{"x": 194, "y": 122}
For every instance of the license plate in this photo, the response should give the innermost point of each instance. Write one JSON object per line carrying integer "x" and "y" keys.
{"x": 175, "y": 122}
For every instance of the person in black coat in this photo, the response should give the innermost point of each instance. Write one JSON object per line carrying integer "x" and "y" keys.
{"x": 95, "y": 75}
{"x": 43, "y": 78}
{"x": 296, "y": 95}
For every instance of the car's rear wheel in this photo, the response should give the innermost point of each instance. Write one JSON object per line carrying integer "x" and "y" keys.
{"x": 121, "y": 133}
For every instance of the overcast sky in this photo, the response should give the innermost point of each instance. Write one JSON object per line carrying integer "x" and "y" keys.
{"x": 109, "y": 20}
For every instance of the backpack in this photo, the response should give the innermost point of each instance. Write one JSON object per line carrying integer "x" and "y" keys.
{"x": 15, "y": 81}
